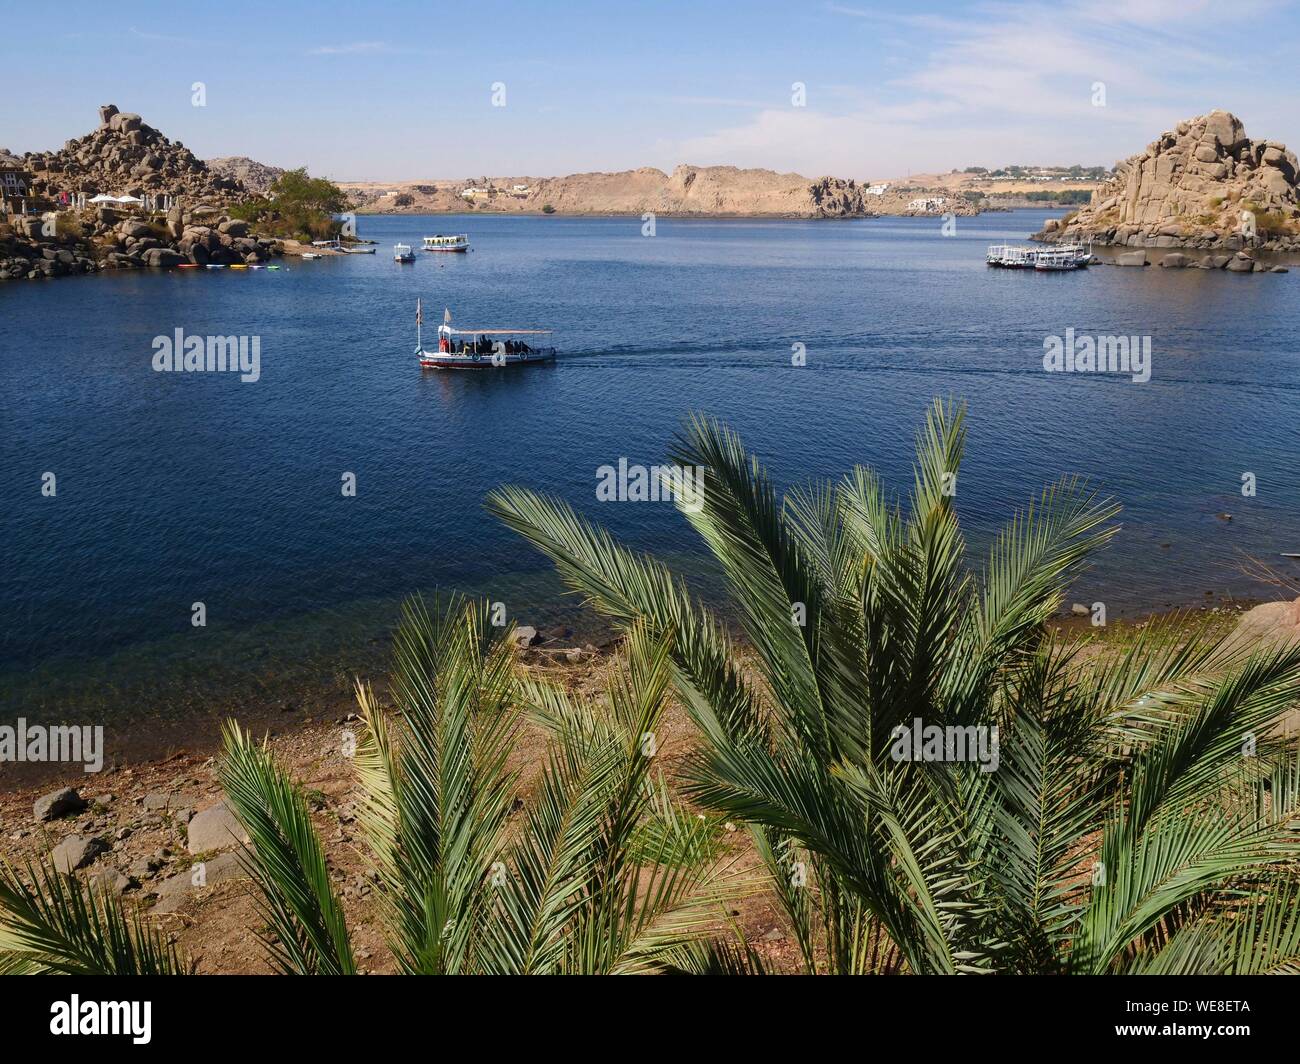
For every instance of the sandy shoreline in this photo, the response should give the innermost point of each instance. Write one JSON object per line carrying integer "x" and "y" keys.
{"x": 315, "y": 697}
{"x": 174, "y": 719}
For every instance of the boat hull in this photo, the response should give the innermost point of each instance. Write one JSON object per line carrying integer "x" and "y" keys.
{"x": 453, "y": 251}
{"x": 442, "y": 360}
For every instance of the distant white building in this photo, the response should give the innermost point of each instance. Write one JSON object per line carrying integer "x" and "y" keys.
{"x": 877, "y": 190}
{"x": 473, "y": 193}
{"x": 927, "y": 203}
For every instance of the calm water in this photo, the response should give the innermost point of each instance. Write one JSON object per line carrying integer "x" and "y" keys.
{"x": 177, "y": 488}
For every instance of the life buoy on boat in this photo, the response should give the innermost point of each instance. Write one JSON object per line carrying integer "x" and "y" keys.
{"x": 477, "y": 357}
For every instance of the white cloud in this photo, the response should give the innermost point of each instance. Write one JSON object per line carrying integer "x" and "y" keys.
{"x": 1013, "y": 82}
{"x": 355, "y": 48}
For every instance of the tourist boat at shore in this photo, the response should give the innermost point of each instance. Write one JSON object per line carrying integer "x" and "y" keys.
{"x": 1057, "y": 257}
{"x": 478, "y": 348}
{"x": 1010, "y": 257}
{"x": 403, "y": 253}
{"x": 347, "y": 249}
{"x": 447, "y": 242}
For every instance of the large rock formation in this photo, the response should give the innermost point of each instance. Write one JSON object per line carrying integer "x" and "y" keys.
{"x": 123, "y": 155}
{"x": 1204, "y": 184}
{"x": 254, "y": 176}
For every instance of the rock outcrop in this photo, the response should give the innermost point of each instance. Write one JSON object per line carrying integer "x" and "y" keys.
{"x": 254, "y": 176}
{"x": 215, "y": 828}
{"x": 1205, "y": 184}
{"x": 126, "y": 156}
{"x": 63, "y": 802}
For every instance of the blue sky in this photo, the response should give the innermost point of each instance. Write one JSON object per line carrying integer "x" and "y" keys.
{"x": 396, "y": 90}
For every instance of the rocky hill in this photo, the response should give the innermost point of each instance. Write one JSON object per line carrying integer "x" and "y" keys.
{"x": 254, "y": 176}
{"x": 124, "y": 155}
{"x": 1204, "y": 184}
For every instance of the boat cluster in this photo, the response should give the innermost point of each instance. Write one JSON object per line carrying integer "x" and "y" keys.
{"x": 1056, "y": 257}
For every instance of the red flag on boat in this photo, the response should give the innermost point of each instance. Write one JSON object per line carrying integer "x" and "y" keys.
{"x": 419, "y": 314}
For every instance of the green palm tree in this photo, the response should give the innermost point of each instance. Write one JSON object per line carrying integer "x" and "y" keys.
{"x": 601, "y": 873}
{"x": 1143, "y": 815}
{"x": 51, "y": 923}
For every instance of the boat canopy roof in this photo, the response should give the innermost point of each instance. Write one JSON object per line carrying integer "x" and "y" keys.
{"x": 492, "y": 332}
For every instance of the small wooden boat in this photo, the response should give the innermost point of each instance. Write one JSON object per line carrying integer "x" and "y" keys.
{"x": 479, "y": 348}
{"x": 445, "y": 242}
{"x": 311, "y": 255}
{"x": 403, "y": 253}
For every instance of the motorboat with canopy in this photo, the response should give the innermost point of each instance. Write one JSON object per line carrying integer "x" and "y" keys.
{"x": 479, "y": 348}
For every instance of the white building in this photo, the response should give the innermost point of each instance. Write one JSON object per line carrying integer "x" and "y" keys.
{"x": 877, "y": 190}
{"x": 927, "y": 203}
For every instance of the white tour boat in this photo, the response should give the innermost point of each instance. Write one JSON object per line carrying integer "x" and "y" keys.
{"x": 1057, "y": 257}
{"x": 403, "y": 253}
{"x": 478, "y": 348}
{"x": 444, "y": 242}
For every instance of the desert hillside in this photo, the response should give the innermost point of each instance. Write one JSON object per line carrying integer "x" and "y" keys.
{"x": 709, "y": 190}
{"x": 699, "y": 190}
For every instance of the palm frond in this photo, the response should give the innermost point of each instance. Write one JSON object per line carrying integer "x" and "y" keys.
{"x": 286, "y": 861}
{"x": 56, "y": 923}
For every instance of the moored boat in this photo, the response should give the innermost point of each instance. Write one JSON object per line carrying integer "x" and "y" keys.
{"x": 479, "y": 348}
{"x": 1010, "y": 257}
{"x": 447, "y": 242}
{"x": 1058, "y": 257}
{"x": 347, "y": 249}
{"x": 403, "y": 253}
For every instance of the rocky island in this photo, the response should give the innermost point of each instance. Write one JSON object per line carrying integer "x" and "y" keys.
{"x": 1204, "y": 185}
{"x": 177, "y": 208}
